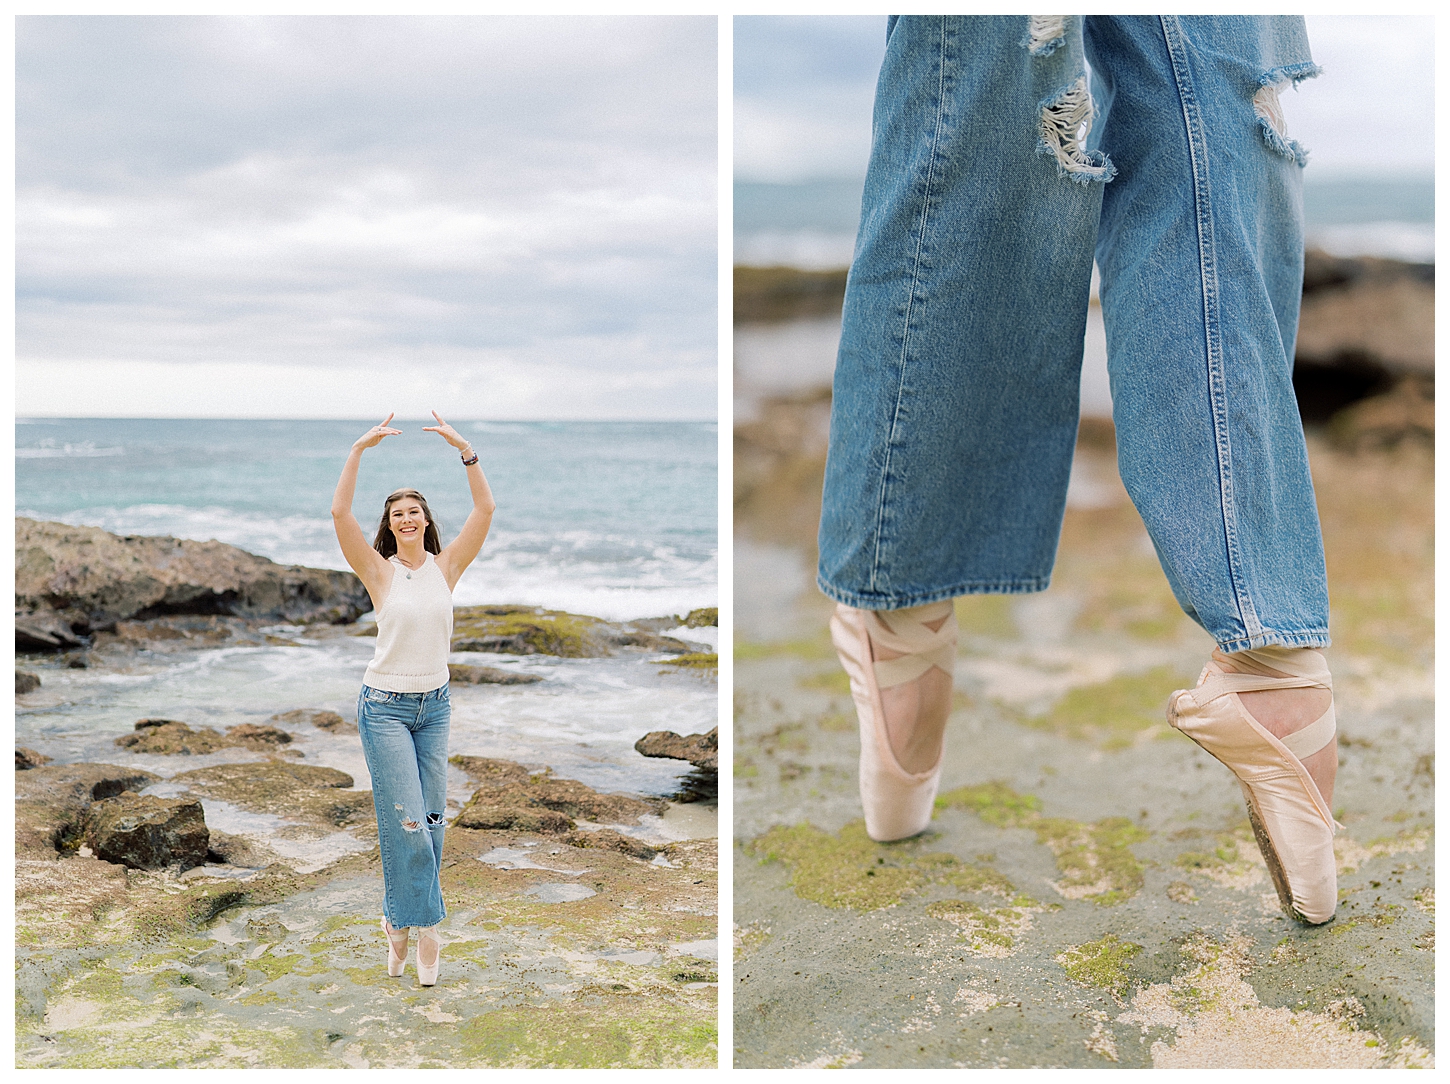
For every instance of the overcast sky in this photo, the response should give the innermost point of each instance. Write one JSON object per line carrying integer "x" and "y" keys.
{"x": 804, "y": 84}
{"x": 337, "y": 217}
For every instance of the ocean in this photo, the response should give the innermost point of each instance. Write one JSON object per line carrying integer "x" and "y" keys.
{"x": 614, "y": 520}
{"x": 813, "y": 224}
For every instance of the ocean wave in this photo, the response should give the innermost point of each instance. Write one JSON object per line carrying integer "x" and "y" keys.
{"x": 50, "y": 449}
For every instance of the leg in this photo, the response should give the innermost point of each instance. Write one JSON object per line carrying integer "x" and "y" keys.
{"x": 1201, "y": 255}
{"x": 410, "y": 867}
{"x": 430, "y": 740}
{"x": 956, "y": 389}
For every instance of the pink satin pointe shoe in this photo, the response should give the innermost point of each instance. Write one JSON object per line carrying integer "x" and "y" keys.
{"x": 897, "y": 803}
{"x": 429, "y": 944}
{"x": 397, "y": 949}
{"x": 1291, "y": 821}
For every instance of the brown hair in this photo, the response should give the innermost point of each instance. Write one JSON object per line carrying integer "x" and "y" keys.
{"x": 386, "y": 544}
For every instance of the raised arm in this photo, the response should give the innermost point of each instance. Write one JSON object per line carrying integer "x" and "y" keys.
{"x": 368, "y": 563}
{"x": 459, "y": 553}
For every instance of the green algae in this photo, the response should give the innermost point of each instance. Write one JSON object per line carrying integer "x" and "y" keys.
{"x": 694, "y": 660}
{"x": 833, "y": 680}
{"x": 850, "y": 870}
{"x": 526, "y": 631}
{"x": 576, "y": 1038}
{"x": 1114, "y": 713}
{"x": 846, "y": 870}
{"x": 1094, "y": 859}
{"x": 1101, "y": 963}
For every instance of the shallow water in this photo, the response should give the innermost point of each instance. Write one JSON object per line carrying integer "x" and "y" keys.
{"x": 582, "y": 721}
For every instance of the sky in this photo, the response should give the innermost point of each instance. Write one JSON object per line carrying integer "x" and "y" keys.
{"x": 804, "y": 85}
{"x": 337, "y": 217}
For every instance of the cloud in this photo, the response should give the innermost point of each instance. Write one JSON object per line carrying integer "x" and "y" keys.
{"x": 530, "y": 195}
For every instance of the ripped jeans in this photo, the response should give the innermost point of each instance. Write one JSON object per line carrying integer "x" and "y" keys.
{"x": 998, "y": 171}
{"x": 405, "y": 740}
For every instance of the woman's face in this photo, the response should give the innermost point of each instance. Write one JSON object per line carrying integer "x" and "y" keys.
{"x": 406, "y": 520}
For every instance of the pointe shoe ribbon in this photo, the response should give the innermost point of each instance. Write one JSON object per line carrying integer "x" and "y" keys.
{"x": 1292, "y": 824}
{"x": 397, "y": 957}
{"x": 897, "y": 803}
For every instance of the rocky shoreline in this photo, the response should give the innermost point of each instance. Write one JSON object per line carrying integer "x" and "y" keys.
{"x": 217, "y": 883}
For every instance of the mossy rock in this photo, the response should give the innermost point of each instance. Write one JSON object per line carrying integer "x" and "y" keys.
{"x": 705, "y": 617}
{"x": 528, "y": 630}
{"x": 302, "y": 792}
{"x": 170, "y": 737}
{"x": 483, "y": 816}
{"x": 488, "y": 675}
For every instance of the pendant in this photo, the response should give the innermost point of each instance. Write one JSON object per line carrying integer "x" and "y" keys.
{"x": 409, "y": 576}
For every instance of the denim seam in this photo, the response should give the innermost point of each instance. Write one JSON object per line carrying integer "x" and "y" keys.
{"x": 1269, "y": 637}
{"x": 1208, "y": 272}
{"x": 891, "y": 439}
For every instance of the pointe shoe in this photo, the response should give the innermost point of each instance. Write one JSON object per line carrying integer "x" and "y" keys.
{"x": 396, "y": 956}
{"x": 897, "y": 803}
{"x": 1291, "y": 821}
{"x": 428, "y": 974}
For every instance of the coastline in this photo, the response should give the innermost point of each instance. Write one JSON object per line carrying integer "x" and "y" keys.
{"x": 269, "y": 948}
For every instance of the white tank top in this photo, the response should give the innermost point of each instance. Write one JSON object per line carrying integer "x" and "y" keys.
{"x": 415, "y": 630}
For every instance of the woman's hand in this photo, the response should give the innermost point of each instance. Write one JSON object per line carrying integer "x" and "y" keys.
{"x": 375, "y": 435}
{"x": 446, "y": 431}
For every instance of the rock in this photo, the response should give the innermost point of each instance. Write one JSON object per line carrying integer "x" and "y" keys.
{"x": 701, "y": 750}
{"x": 488, "y": 675}
{"x": 607, "y": 839}
{"x": 264, "y": 738}
{"x": 147, "y": 832}
{"x": 512, "y": 796}
{"x": 72, "y": 581}
{"x": 1406, "y": 412}
{"x": 301, "y": 792}
{"x": 26, "y": 682}
{"x": 516, "y": 818}
{"x": 323, "y": 720}
{"x": 25, "y": 759}
{"x": 172, "y": 738}
{"x": 50, "y": 800}
{"x": 703, "y": 618}
{"x": 236, "y": 851}
{"x": 531, "y": 630}
{"x": 490, "y": 771}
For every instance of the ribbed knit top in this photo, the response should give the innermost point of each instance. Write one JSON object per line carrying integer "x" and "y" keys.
{"x": 415, "y": 629}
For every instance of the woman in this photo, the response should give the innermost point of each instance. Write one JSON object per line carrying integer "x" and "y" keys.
{"x": 402, "y": 710}
{"x": 996, "y": 176}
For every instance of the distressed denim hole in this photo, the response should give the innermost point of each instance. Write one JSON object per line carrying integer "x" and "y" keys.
{"x": 433, "y": 819}
{"x": 1045, "y": 33}
{"x": 1066, "y": 121}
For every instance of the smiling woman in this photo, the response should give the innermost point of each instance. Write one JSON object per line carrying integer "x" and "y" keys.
{"x": 403, "y": 708}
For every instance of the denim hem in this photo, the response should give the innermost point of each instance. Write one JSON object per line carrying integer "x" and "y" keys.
{"x": 869, "y": 601}
{"x": 410, "y": 925}
{"x": 1271, "y": 637}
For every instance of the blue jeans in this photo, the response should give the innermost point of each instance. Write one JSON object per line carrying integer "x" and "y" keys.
{"x": 994, "y": 180}
{"x": 405, "y": 741}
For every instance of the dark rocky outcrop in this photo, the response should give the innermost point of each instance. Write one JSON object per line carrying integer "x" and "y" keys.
{"x": 323, "y": 720}
{"x": 51, "y": 799}
{"x": 26, "y": 682}
{"x": 25, "y": 759}
{"x": 513, "y": 797}
{"x": 488, "y": 675}
{"x": 147, "y": 832}
{"x": 701, "y": 750}
{"x": 705, "y": 617}
{"x": 300, "y": 792}
{"x": 73, "y": 581}
{"x": 259, "y": 736}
